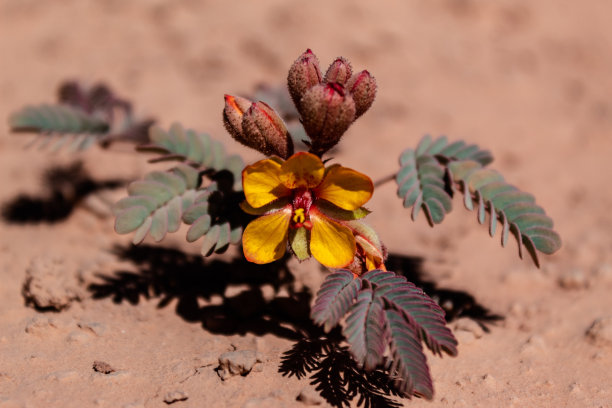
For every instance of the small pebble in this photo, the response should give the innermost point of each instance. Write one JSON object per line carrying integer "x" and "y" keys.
{"x": 103, "y": 367}
{"x": 600, "y": 332}
{"x": 175, "y": 396}
{"x": 78, "y": 337}
{"x": 573, "y": 280}
{"x": 469, "y": 325}
{"x": 40, "y": 325}
{"x": 237, "y": 363}
{"x": 49, "y": 284}
{"x": 94, "y": 327}
{"x": 489, "y": 381}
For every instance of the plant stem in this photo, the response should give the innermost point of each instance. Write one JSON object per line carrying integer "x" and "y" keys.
{"x": 383, "y": 180}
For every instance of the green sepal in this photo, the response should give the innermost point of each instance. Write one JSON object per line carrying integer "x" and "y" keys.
{"x": 298, "y": 239}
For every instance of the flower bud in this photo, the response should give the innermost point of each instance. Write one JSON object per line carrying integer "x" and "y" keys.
{"x": 362, "y": 87}
{"x": 235, "y": 107}
{"x": 339, "y": 71}
{"x": 327, "y": 114}
{"x": 265, "y": 131}
{"x": 303, "y": 75}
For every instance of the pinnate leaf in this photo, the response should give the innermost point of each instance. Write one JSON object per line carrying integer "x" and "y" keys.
{"x": 155, "y": 205}
{"x": 385, "y": 310}
{"x": 197, "y": 149}
{"x": 334, "y": 298}
{"x": 516, "y": 210}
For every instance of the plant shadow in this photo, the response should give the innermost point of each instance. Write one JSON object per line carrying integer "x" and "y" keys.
{"x": 64, "y": 187}
{"x": 260, "y": 299}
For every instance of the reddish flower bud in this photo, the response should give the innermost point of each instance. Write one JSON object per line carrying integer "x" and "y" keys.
{"x": 362, "y": 87}
{"x": 327, "y": 114}
{"x": 339, "y": 71}
{"x": 265, "y": 131}
{"x": 235, "y": 107}
{"x": 303, "y": 75}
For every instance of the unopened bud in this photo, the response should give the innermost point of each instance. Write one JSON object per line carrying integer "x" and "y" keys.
{"x": 303, "y": 75}
{"x": 339, "y": 71}
{"x": 235, "y": 107}
{"x": 327, "y": 114}
{"x": 265, "y": 131}
{"x": 362, "y": 87}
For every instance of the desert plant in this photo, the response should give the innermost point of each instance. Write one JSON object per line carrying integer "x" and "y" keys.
{"x": 299, "y": 202}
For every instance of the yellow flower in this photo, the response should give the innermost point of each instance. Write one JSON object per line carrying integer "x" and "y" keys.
{"x": 302, "y": 202}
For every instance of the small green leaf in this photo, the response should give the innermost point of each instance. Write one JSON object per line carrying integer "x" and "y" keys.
{"x": 298, "y": 240}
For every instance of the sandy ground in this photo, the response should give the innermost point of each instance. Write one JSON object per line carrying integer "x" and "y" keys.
{"x": 529, "y": 80}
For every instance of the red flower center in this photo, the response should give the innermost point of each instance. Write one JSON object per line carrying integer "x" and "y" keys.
{"x": 302, "y": 201}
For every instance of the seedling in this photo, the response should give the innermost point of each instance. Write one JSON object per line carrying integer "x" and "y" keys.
{"x": 305, "y": 203}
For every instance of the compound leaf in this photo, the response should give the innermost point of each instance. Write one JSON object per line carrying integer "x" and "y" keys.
{"x": 196, "y": 149}
{"x": 215, "y": 216}
{"x": 421, "y": 184}
{"x": 365, "y": 329}
{"x": 417, "y": 308}
{"x": 334, "y": 299}
{"x": 516, "y": 210}
{"x": 155, "y": 205}
{"x": 408, "y": 361}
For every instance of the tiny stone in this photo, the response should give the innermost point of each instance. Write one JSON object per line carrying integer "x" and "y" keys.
{"x": 534, "y": 344}
{"x": 78, "y": 337}
{"x": 103, "y": 367}
{"x": 175, "y": 396}
{"x": 573, "y": 279}
{"x": 309, "y": 396}
{"x": 575, "y": 388}
{"x": 600, "y": 332}
{"x": 469, "y": 325}
{"x": 94, "y": 327}
{"x": 237, "y": 362}
{"x": 38, "y": 325}
{"x": 489, "y": 381}
{"x": 49, "y": 284}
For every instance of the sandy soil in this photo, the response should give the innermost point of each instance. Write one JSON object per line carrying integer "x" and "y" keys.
{"x": 145, "y": 327}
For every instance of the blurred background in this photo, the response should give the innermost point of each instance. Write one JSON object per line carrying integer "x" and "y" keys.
{"x": 528, "y": 80}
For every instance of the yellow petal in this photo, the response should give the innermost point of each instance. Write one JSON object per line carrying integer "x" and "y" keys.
{"x": 261, "y": 183}
{"x": 331, "y": 243}
{"x": 265, "y": 239}
{"x": 302, "y": 170}
{"x": 344, "y": 187}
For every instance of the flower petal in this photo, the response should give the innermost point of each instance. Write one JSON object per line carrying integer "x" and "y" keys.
{"x": 265, "y": 238}
{"x": 344, "y": 187}
{"x": 331, "y": 243}
{"x": 261, "y": 183}
{"x": 302, "y": 170}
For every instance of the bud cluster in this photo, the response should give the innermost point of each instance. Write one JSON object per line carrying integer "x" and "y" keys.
{"x": 328, "y": 104}
{"x": 258, "y": 126}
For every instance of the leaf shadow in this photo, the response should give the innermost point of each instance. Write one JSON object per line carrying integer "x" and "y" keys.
{"x": 226, "y": 297}
{"x": 456, "y": 303}
{"x": 241, "y": 307}
{"x": 63, "y": 189}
